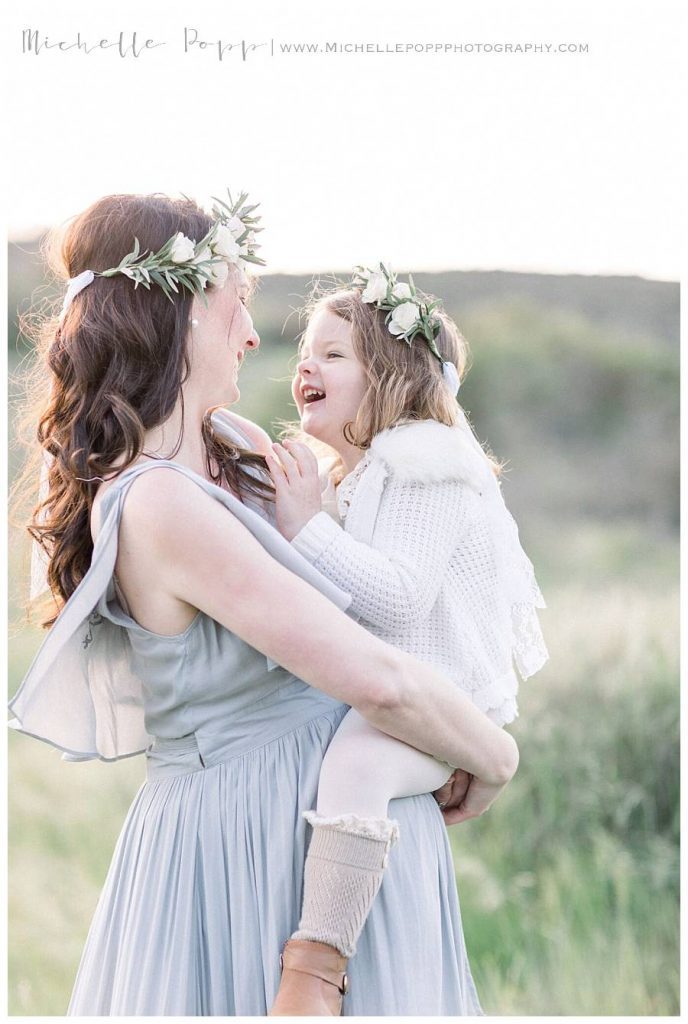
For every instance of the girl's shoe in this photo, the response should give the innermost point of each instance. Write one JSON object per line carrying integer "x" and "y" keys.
{"x": 313, "y": 983}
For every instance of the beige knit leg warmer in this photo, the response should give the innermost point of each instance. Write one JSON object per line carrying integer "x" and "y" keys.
{"x": 344, "y": 868}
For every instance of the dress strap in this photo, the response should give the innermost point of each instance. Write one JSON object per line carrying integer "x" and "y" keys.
{"x": 80, "y": 693}
{"x": 273, "y": 541}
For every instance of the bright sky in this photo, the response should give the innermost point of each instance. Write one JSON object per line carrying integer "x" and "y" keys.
{"x": 554, "y": 162}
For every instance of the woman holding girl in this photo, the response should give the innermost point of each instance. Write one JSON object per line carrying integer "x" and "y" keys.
{"x": 187, "y": 628}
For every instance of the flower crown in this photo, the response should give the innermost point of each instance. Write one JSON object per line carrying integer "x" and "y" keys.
{"x": 407, "y": 314}
{"x": 184, "y": 263}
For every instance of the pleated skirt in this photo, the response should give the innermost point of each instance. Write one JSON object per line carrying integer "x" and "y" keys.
{"x": 205, "y": 888}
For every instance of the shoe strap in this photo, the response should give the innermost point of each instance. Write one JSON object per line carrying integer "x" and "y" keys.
{"x": 293, "y": 962}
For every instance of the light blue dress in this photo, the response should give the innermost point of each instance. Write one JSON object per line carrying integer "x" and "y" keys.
{"x": 206, "y": 880}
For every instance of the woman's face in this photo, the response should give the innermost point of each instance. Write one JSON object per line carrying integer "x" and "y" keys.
{"x": 330, "y": 382}
{"x": 220, "y": 334}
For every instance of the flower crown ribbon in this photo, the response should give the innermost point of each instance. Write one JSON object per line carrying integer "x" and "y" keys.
{"x": 408, "y": 313}
{"x": 183, "y": 263}
{"x": 76, "y": 285}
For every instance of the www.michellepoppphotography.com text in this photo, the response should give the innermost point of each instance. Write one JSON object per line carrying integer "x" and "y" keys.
{"x": 192, "y": 42}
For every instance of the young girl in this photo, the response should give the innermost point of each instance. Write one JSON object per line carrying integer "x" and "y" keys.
{"x": 420, "y": 537}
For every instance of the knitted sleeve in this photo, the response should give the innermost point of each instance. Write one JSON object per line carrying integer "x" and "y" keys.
{"x": 396, "y": 581}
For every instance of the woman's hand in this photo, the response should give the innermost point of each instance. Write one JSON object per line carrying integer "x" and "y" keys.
{"x": 464, "y": 796}
{"x": 454, "y": 789}
{"x": 294, "y": 471}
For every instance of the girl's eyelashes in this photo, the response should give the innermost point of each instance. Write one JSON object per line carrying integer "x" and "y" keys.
{"x": 333, "y": 354}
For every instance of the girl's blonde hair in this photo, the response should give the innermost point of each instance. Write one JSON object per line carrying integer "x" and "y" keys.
{"x": 405, "y": 381}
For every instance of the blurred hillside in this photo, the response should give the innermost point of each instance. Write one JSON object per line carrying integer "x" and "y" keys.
{"x": 570, "y": 886}
{"x": 574, "y": 384}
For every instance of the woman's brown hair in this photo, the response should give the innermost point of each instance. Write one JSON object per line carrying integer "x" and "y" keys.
{"x": 115, "y": 367}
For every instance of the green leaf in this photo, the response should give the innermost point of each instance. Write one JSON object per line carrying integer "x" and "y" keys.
{"x": 206, "y": 239}
{"x": 159, "y": 280}
{"x": 254, "y": 259}
{"x": 221, "y": 203}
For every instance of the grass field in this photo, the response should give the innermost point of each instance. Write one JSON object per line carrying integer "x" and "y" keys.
{"x": 568, "y": 887}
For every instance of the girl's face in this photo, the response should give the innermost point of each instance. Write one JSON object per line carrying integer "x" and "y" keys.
{"x": 219, "y": 339}
{"x": 330, "y": 382}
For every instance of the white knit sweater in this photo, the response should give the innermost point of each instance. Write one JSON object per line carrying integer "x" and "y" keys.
{"x": 431, "y": 558}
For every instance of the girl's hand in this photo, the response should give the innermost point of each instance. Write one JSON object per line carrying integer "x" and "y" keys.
{"x": 472, "y": 802}
{"x": 294, "y": 471}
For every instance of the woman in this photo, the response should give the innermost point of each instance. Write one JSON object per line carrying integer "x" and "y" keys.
{"x": 190, "y": 629}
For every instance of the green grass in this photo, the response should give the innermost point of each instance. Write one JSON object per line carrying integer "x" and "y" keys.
{"x": 63, "y": 821}
{"x": 569, "y": 886}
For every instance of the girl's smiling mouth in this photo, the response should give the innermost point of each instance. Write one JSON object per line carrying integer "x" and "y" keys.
{"x": 311, "y": 394}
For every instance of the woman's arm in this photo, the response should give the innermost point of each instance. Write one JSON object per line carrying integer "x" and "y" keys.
{"x": 200, "y": 557}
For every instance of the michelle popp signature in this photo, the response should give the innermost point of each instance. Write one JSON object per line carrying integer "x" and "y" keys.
{"x": 134, "y": 45}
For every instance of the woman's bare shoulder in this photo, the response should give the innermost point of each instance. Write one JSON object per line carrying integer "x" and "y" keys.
{"x": 165, "y": 495}
{"x": 161, "y": 496}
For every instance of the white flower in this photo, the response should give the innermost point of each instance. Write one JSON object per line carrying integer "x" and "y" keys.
{"x": 236, "y": 226}
{"x": 376, "y": 288}
{"x": 218, "y": 273}
{"x": 182, "y": 249}
{"x": 215, "y": 266}
{"x": 204, "y": 256}
{"x": 223, "y": 244}
{"x": 404, "y": 318}
{"x": 401, "y": 291}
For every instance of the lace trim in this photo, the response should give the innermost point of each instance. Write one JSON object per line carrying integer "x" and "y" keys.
{"x": 520, "y": 589}
{"x": 505, "y": 713}
{"x": 530, "y": 652}
{"x": 497, "y": 697}
{"x": 381, "y": 829}
{"x": 347, "y": 487}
